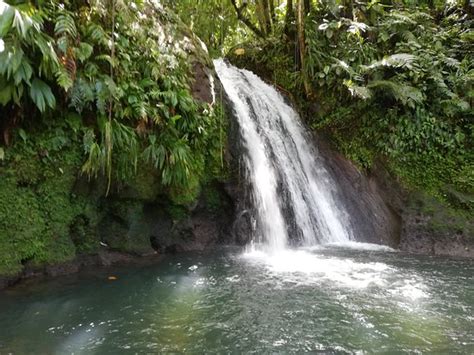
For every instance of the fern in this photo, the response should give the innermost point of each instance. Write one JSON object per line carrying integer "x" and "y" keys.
{"x": 81, "y": 95}
{"x": 399, "y": 60}
{"x": 65, "y": 26}
{"x": 154, "y": 154}
{"x": 358, "y": 91}
{"x": 97, "y": 34}
{"x": 84, "y": 51}
{"x": 406, "y": 94}
{"x": 64, "y": 79}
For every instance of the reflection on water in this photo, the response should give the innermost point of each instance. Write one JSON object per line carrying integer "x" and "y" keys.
{"x": 336, "y": 298}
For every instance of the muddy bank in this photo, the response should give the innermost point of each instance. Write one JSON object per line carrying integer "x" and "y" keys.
{"x": 103, "y": 258}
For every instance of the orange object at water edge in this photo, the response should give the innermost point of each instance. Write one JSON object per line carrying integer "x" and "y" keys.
{"x": 112, "y": 278}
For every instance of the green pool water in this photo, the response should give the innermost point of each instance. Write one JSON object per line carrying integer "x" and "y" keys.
{"x": 333, "y": 299}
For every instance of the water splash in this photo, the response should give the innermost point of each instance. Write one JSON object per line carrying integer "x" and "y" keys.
{"x": 292, "y": 192}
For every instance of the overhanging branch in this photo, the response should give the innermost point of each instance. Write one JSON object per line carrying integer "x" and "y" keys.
{"x": 245, "y": 20}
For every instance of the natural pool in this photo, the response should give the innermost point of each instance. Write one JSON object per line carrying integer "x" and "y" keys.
{"x": 336, "y": 299}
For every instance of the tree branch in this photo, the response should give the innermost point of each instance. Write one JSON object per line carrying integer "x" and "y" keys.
{"x": 245, "y": 20}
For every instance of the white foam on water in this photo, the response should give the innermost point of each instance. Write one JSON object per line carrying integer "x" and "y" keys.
{"x": 304, "y": 267}
{"x": 409, "y": 289}
{"x": 359, "y": 246}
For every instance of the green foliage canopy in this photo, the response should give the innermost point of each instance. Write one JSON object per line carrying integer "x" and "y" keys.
{"x": 390, "y": 81}
{"x": 122, "y": 69}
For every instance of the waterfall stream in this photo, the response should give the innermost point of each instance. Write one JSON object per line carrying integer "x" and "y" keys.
{"x": 304, "y": 285}
{"x": 294, "y": 195}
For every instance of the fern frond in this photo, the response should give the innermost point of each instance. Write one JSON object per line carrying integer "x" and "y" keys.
{"x": 65, "y": 26}
{"x": 406, "y": 94}
{"x": 399, "y": 60}
{"x": 358, "y": 91}
{"x": 64, "y": 79}
{"x": 98, "y": 34}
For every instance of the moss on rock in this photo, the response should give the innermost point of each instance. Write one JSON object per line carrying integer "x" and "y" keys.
{"x": 21, "y": 226}
{"x": 440, "y": 219}
{"x": 38, "y": 206}
{"x": 125, "y": 228}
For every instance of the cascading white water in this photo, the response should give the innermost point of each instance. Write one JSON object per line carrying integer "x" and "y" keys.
{"x": 292, "y": 191}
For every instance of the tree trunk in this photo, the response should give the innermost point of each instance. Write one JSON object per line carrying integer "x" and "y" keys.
{"x": 272, "y": 12}
{"x": 302, "y": 48}
{"x": 267, "y": 16}
{"x": 290, "y": 14}
{"x": 260, "y": 12}
{"x": 307, "y": 6}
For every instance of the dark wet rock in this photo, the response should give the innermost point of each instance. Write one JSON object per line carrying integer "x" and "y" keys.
{"x": 201, "y": 86}
{"x": 242, "y": 228}
{"x": 237, "y": 187}
{"x": 373, "y": 219}
{"x": 207, "y": 224}
{"x": 7, "y": 281}
{"x": 385, "y": 212}
{"x": 125, "y": 227}
{"x": 432, "y": 227}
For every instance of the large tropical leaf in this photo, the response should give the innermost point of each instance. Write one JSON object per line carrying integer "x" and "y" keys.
{"x": 22, "y": 21}
{"x": 7, "y": 13}
{"x": 6, "y": 93}
{"x": 42, "y": 95}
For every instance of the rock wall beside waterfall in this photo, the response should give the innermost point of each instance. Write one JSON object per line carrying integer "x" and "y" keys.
{"x": 373, "y": 219}
{"x": 428, "y": 226}
{"x": 387, "y": 213}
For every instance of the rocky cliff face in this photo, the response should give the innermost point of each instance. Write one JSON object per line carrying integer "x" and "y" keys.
{"x": 373, "y": 220}
{"x": 384, "y": 212}
{"x": 430, "y": 227}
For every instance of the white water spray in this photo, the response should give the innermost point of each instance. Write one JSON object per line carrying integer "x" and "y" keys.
{"x": 293, "y": 193}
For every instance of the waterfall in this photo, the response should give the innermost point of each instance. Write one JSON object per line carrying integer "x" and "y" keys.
{"x": 294, "y": 195}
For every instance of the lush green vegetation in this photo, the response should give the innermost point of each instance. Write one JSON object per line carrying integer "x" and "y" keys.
{"x": 388, "y": 81}
{"x": 110, "y": 70}
{"x": 102, "y": 90}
